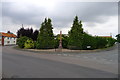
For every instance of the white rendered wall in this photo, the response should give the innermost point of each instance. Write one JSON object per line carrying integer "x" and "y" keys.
{"x": 11, "y": 41}
{"x": 0, "y": 40}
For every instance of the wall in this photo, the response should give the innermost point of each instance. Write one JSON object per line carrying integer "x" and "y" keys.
{"x": 0, "y": 40}
{"x": 9, "y": 41}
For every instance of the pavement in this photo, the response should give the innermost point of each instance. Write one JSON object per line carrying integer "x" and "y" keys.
{"x": 29, "y": 64}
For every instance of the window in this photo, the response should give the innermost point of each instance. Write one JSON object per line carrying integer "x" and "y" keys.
{"x": 7, "y": 37}
{"x": 8, "y": 42}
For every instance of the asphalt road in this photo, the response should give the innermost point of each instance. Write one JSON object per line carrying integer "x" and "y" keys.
{"x": 15, "y": 64}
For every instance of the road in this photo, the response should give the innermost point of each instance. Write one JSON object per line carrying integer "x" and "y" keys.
{"x": 24, "y": 64}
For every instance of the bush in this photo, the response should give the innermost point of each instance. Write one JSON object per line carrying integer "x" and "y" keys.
{"x": 29, "y": 44}
{"x": 56, "y": 43}
{"x": 35, "y": 43}
{"x": 21, "y": 41}
{"x": 43, "y": 44}
{"x": 74, "y": 48}
{"x": 64, "y": 41}
{"x": 89, "y": 40}
{"x": 110, "y": 42}
{"x": 118, "y": 38}
{"x": 101, "y": 42}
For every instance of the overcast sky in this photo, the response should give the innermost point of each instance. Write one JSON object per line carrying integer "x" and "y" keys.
{"x": 98, "y": 18}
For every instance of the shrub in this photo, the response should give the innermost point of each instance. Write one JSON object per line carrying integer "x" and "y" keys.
{"x": 97, "y": 42}
{"x": 21, "y": 41}
{"x": 56, "y": 43}
{"x": 110, "y": 42}
{"x": 89, "y": 40}
{"x": 118, "y": 38}
{"x": 29, "y": 44}
{"x": 64, "y": 41}
{"x": 101, "y": 42}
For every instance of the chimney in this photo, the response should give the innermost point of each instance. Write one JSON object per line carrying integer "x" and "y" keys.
{"x": 8, "y": 32}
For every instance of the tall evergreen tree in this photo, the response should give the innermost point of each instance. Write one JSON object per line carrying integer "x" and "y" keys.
{"x": 45, "y": 38}
{"x": 76, "y": 35}
{"x": 118, "y": 38}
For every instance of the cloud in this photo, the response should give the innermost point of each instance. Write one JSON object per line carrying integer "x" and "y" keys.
{"x": 110, "y": 27}
{"x": 21, "y": 14}
{"x": 10, "y": 26}
{"x": 61, "y": 13}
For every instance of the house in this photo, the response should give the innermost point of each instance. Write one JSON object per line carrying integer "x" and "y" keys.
{"x": 106, "y": 36}
{"x": 7, "y": 38}
{"x": 110, "y": 36}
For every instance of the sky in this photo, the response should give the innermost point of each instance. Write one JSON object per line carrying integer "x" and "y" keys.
{"x": 98, "y": 18}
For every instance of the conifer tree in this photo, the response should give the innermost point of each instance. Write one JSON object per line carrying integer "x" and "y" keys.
{"x": 76, "y": 35}
{"x": 45, "y": 38}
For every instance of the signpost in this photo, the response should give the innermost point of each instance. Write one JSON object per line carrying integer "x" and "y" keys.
{"x": 88, "y": 47}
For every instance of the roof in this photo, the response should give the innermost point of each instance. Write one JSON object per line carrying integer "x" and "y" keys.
{"x": 106, "y": 36}
{"x": 7, "y": 34}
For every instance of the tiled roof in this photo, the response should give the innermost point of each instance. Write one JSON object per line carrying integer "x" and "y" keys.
{"x": 106, "y": 36}
{"x": 7, "y": 34}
